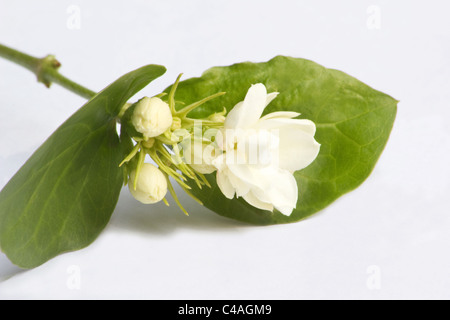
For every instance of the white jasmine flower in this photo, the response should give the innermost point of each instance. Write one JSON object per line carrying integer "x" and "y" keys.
{"x": 152, "y": 117}
{"x": 283, "y": 146}
{"x": 151, "y": 185}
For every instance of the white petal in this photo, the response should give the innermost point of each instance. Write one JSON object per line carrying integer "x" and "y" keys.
{"x": 224, "y": 184}
{"x": 219, "y": 162}
{"x": 269, "y": 184}
{"x": 232, "y": 119}
{"x": 262, "y": 148}
{"x": 248, "y": 174}
{"x": 247, "y": 113}
{"x": 270, "y": 97}
{"x": 297, "y": 148}
{"x": 282, "y": 192}
{"x": 281, "y": 122}
{"x": 286, "y": 210}
{"x": 241, "y": 187}
{"x": 254, "y": 201}
{"x": 281, "y": 115}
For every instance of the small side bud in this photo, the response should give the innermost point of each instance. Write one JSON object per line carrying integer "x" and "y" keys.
{"x": 151, "y": 186}
{"x": 218, "y": 116}
{"x": 176, "y": 124}
{"x": 152, "y": 117}
{"x": 148, "y": 144}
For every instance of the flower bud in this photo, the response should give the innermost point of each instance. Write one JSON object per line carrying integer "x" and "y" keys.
{"x": 217, "y": 117}
{"x": 200, "y": 156}
{"x": 151, "y": 117}
{"x": 151, "y": 185}
{"x": 176, "y": 124}
{"x": 148, "y": 143}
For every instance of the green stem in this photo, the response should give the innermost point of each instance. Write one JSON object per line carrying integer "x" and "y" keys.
{"x": 45, "y": 69}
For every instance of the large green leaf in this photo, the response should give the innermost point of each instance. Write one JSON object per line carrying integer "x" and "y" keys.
{"x": 64, "y": 195}
{"x": 353, "y": 125}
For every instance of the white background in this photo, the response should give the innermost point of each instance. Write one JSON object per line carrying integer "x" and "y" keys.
{"x": 392, "y": 231}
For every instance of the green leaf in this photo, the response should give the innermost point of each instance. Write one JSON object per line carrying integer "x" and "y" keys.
{"x": 64, "y": 195}
{"x": 353, "y": 125}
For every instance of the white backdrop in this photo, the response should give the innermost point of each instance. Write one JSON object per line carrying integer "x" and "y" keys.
{"x": 388, "y": 239}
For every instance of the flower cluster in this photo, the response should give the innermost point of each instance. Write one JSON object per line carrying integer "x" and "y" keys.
{"x": 252, "y": 156}
{"x": 156, "y": 129}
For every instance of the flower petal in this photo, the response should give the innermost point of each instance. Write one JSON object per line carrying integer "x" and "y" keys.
{"x": 269, "y": 185}
{"x": 248, "y": 174}
{"x": 254, "y": 201}
{"x": 282, "y": 191}
{"x": 240, "y": 186}
{"x": 270, "y": 97}
{"x": 224, "y": 184}
{"x": 297, "y": 148}
{"x": 247, "y": 113}
{"x": 233, "y": 117}
{"x": 275, "y": 122}
{"x": 281, "y": 115}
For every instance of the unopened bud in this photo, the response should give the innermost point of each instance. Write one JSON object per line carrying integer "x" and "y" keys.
{"x": 148, "y": 143}
{"x": 152, "y": 117}
{"x": 151, "y": 185}
{"x": 176, "y": 124}
{"x": 217, "y": 117}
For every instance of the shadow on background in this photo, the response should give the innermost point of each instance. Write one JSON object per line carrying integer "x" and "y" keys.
{"x": 158, "y": 219}
{"x": 7, "y": 269}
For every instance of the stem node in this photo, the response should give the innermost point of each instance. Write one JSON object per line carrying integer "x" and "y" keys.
{"x": 45, "y": 69}
{"x": 43, "y": 66}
